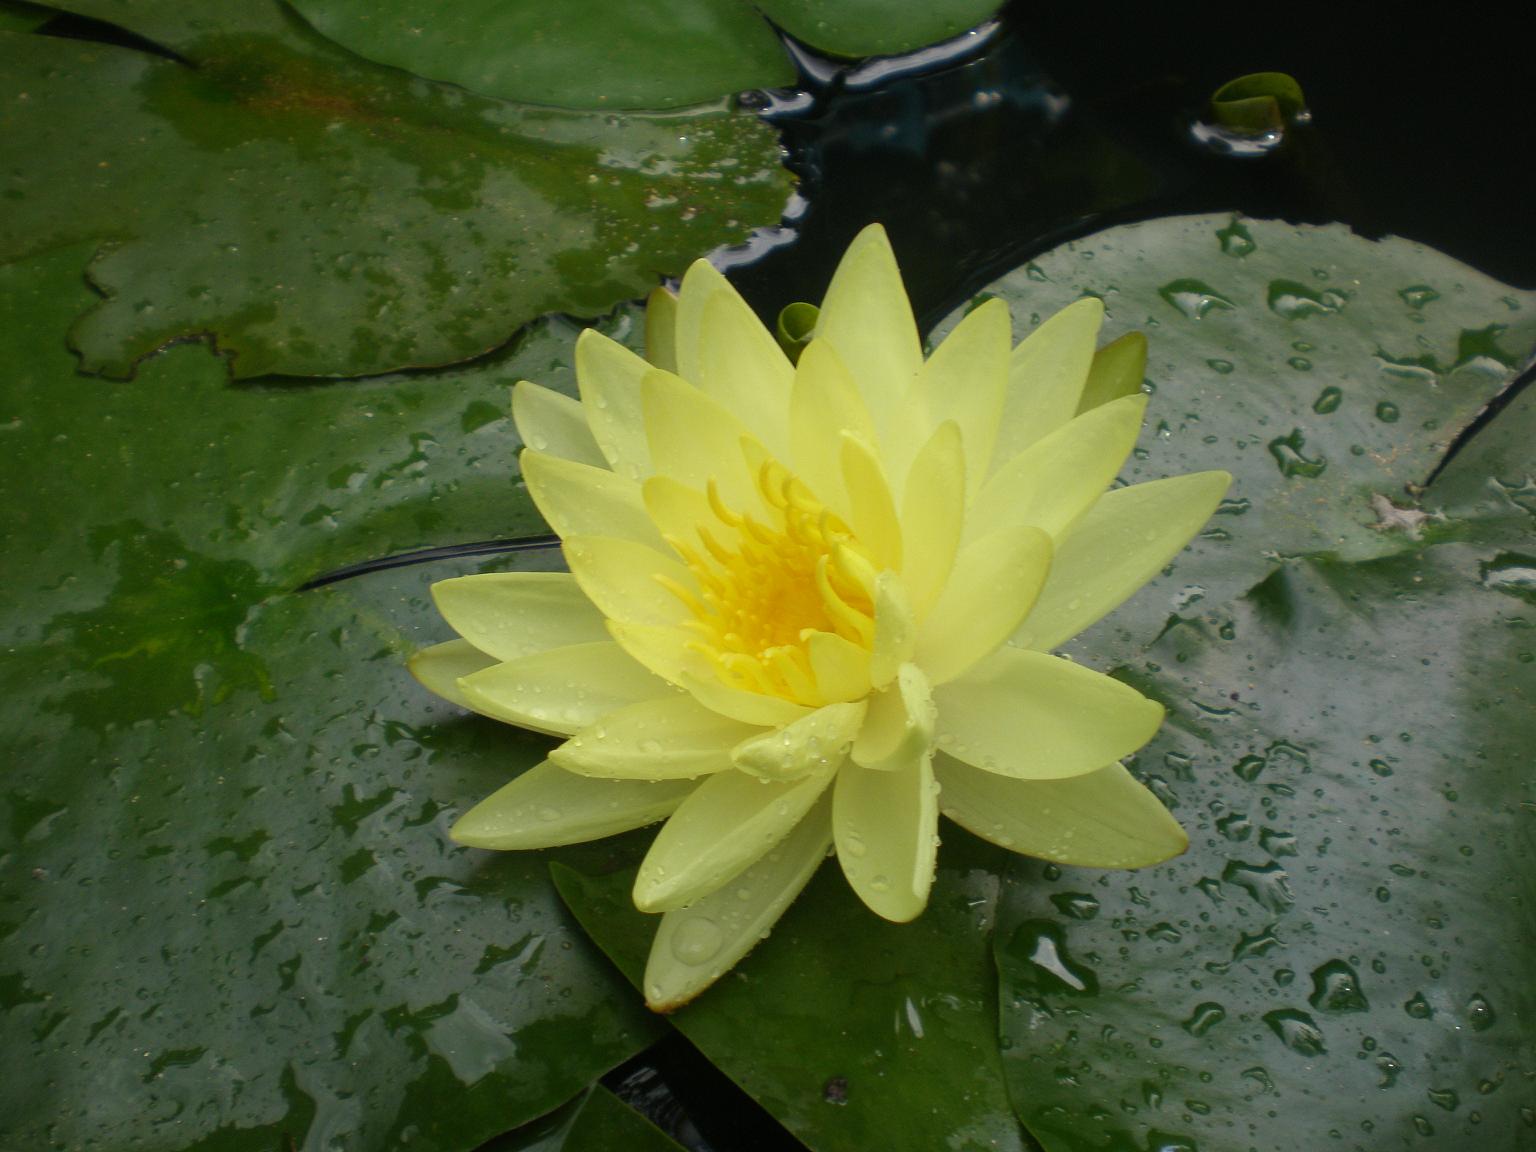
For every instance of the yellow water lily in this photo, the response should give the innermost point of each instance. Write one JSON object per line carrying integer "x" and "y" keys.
{"x": 811, "y": 605}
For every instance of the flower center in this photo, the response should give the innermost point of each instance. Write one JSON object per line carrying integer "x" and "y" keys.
{"x": 768, "y": 584}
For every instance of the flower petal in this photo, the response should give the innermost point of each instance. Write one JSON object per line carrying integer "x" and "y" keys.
{"x": 679, "y": 511}
{"x": 742, "y": 366}
{"x": 552, "y": 422}
{"x": 1102, "y": 819}
{"x": 966, "y": 380}
{"x": 1039, "y": 717}
{"x": 1118, "y": 370}
{"x": 608, "y": 376}
{"x": 840, "y": 666}
{"x": 697, "y": 945}
{"x": 509, "y": 615}
{"x": 1045, "y": 377}
{"x": 871, "y": 509}
{"x": 994, "y": 585}
{"x": 895, "y": 630}
{"x": 628, "y": 581}
{"x": 824, "y": 402}
{"x": 933, "y": 514}
{"x": 580, "y": 500}
{"x": 1055, "y": 480}
{"x": 547, "y": 806}
{"x": 700, "y": 283}
{"x": 694, "y": 439}
{"x": 866, "y": 316}
{"x": 730, "y": 822}
{"x": 563, "y": 690}
{"x": 816, "y": 742}
{"x": 661, "y": 329}
{"x": 885, "y": 826}
{"x": 899, "y": 724}
{"x": 1122, "y": 542}
{"x": 668, "y": 738}
{"x": 438, "y": 668}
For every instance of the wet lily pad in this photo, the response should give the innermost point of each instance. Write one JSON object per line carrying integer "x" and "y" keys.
{"x": 1328, "y": 373}
{"x": 308, "y": 213}
{"x": 853, "y": 28}
{"x": 232, "y": 917}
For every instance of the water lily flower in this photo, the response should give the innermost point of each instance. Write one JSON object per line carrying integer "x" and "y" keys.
{"x": 811, "y": 606}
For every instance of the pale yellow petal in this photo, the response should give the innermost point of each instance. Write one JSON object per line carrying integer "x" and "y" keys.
{"x": 1119, "y": 544}
{"x": 1118, "y": 370}
{"x": 552, "y": 422}
{"x": 628, "y": 581}
{"x": 695, "y": 946}
{"x": 1045, "y": 377}
{"x": 885, "y": 826}
{"x": 966, "y": 380}
{"x": 694, "y": 439}
{"x": 608, "y": 376}
{"x": 1057, "y": 479}
{"x": 679, "y": 511}
{"x": 563, "y": 690}
{"x": 895, "y": 630}
{"x": 866, "y": 316}
{"x": 700, "y": 283}
{"x": 841, "y": 667}
{"x": 932, "y": 517}
{"x": 825, "y": 402}
{"x": 748, "y": 707}
{"x": 661, "y": 329}
{"x": 899, "y": 724}
{"x": 817, "y": 742}
{"x": 438, "y": 668}
{"x": 743, "y": 367}
{"x": 665, "y": 650}
{"x": 670, "y": 737}
{"x": 1101, "y": 819}
{"x": 514, "y": 614}
{"x": 547, "y": 806}
{"x": 993, "y": 586}
{"x": 580, "y": 500}
{"x": 729, "y": 823}
{"x": 1039, "y": 717}
{"x": 871, "y": 508}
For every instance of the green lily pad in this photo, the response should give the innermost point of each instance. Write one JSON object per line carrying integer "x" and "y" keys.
{"x": 855, "y": 1033}
{"x": 231, "y": 913}
{"x": 854, "y": 28}
{"x": 579, "y": 54}
{"x": 596, "y": 1122}
{"x": 1328, "y": 373}
{"x": 309, "y": 213}
{"x": 19, "y": 17}
{"x": 1341, "y": 959}
{"x": 1488, "y": 490}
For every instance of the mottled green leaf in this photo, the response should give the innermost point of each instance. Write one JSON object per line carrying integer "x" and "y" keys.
{"x": 577, "y": 54}
{"x": 231, "y": 915}
{"x": 310, "y": 213}
{"x": 596, "y": 1122}
{"x": 874, "y": 27}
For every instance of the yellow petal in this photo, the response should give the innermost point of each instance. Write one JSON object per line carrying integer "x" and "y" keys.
{"x": 824, "y": 402}
{"x": 548, "y": 806}
{"x": 966, "y": 380}
{"x": 608, "y": 376}
{"x": 885, "y": 826}
{"x": 1122, "y": 542}
{"x": 817, "y": 742}
{"x": 748, "y": 707}
{"x": 1046, "y": 376}
{"x": 1057, "y": 479}
{"x": 729, "y": 823}
{"x": 700, "y": 283}
{"x": 871, "y": 509}
{"x": 563, "y": 690}
{"x": 514, "y": 614}
{"x": 670, "y": 737}
{"x": 552, "y": 422}
{"x": 1118, "y": 370}
{"x": 841, "y": 667}
{"x": 1102, "y": 819}
{"x": 899, "y": 725}
{"x": 661, "y": 329}
{"x": 743, "y": 367}
{"x": 895, "y": 630}
{"x": 1039, "y": 717}
{"x": 993, "y": 587}
{"x": 438, "y": 668}
{"x": 933, "y": 516}
{"x": 628, "y": 581}
{"x": 679, "y": 511}
{"x": 694, "y": 439}
{"x": 697, "y": 945}
{"x": 580, "y": 500}
{"x": 866, "y": 316}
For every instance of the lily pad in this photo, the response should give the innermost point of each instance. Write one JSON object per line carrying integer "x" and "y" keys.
{"x": 596, "y": 1122}
{"x": 308, "y": 213}
{"x": 847, "y": 1028}
{"x": 1326, "y": 372}
{"x": 854, "y": 28}
{"x": 232, "y": 917}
